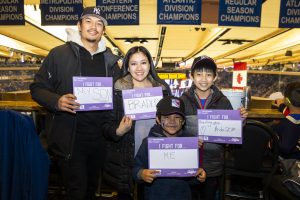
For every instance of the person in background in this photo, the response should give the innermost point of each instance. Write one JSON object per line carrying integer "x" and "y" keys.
{"x": 121, "y": 130}
{"x": 170, "y": 118}
{"x": 203, "y": 94}
{"x": 76, "y": 138}
{"x": 288, "y": 128}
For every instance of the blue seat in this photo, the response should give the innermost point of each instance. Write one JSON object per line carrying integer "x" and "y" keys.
{"x": 24, "y": 164}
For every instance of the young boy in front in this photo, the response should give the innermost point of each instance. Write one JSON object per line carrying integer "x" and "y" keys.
{"x": 203, "y": 94}
{"x": 170, "y": 118}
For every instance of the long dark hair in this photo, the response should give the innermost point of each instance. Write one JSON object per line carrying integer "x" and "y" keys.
{"x": 152, "y": 71}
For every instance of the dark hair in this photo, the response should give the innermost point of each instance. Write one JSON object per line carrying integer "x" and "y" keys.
{"x": 292, "y": 92}
{"x": 152, "y": 72}
{"x": 204, "y": 63}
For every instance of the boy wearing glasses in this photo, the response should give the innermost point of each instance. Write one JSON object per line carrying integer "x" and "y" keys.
{"x": 170, "y": 118}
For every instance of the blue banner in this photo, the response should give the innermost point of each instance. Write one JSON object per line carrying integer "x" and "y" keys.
{"x": 179, "y": 12}
{"x": 12, "y": 12}
{"x": 116, "y": 12}
{"x": 289, "y": 14}
{"x": 240, "y": 13}
{"x": 59, "y": 12}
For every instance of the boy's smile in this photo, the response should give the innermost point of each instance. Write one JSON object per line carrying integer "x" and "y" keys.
{"x": 203, "y": 80}
{"x": 171, "y": 124}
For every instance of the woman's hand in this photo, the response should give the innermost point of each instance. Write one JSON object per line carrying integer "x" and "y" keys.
{"x": 124, "y": 126}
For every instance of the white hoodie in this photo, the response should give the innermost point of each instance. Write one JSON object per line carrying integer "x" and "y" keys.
{"x": 74, "y": 36}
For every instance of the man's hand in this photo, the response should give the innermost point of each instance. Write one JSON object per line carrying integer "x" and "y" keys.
{"x": 124, "y": 126}
{"x": 67, "y": 103}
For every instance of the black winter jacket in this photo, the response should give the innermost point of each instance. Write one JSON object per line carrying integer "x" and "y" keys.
{"x": 120, "y": 149}
{"x": 53, "y": 80}
{"x": 166, "y": 188}
{"x": 213, "y": 154}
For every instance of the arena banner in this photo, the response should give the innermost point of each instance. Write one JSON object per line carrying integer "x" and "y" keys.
{"x": 12, "y": 12}
{"x": 240, "y": 13}
{"x": 60, "y": 12}
{"x": 116, "y": 12}
{"x": 289, "y": 14}
{"x": 179, "y": 12}
{"x": 174, "y": 156}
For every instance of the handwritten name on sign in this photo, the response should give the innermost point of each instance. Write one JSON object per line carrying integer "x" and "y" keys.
{"x": 220, "y": 126}
{"x": 141, "y": 103}
{"x": 93, "y": 93}
{"x": 176, "y": 156}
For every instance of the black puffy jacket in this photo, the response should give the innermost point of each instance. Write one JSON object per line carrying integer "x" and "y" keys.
{"x": 213, "y": 154}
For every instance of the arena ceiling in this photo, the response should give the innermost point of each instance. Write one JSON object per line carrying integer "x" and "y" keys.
{"x": 181, "y": 43}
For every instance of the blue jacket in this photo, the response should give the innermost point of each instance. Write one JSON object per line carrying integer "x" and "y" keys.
{"x": 161, "y": 188}
{"x": 24, "y": 164}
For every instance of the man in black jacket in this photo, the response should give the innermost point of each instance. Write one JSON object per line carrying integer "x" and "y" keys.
{"x": 76, "y": 137}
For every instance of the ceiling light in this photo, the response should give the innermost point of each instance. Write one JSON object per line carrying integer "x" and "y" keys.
{"x": 288, "y": 53}
{"x": 144, "y": 41}
{"x": 128, "y": 41}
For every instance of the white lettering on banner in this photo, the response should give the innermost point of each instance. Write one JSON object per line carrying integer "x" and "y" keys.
{"x": 179, "y": 8}
{"x": 61, "y": 9}
{"x": 116, "y": 1}
{"x": 61, "y": 1}
{"x": 179, "y": 1}
{"x": 178, "y": 16}
{"x": 239, "y": 18}
{"x": 124, "y": 16}
{"x": 290, "y": 20}
{"x": 8, "y": 9}
{"x": 61, "y": 17}
{"x": 120, "y": 8}
{"x": 292, "y": 3}
{"x": 240, "y": 10}
{"x": 11, "y": 17}
{"x": 9, "y": 1}
{"x": 293, "y": 11}
{"x": 241, "y": 2}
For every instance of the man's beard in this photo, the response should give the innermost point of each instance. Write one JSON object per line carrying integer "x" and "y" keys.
{"x": 91, "y": 40}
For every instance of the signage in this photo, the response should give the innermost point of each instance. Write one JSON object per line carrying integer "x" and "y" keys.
{"x": 240, "y": 13}
{"x": 220, "y": 126}
{"x": 12, "y": 12}
{"x": 239, "y": 75}
{"x": 93, "y": 93}
{"x": 140, "y": 103}
{"x": 125, "y": 12}
{"x": 172, "y": 75}
{"x": 289, "y": 14}
{"x": 179, "y": 12}
{"x": 174, "y": 156}
{"x": 60, "y": 12}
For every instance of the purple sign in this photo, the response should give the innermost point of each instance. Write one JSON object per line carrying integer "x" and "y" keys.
{"x": 93, "y": 93}
{"x": 174, "y": 156}
{"x": 220, "y": 126}
{"x": 141, "y": 103}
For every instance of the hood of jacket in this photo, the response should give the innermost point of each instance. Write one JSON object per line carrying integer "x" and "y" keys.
{"x": 74, "y": 36}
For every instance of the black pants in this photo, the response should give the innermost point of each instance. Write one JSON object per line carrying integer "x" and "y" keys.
{"x": 81, "y": 173}
{"x": 206, "y": 190}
